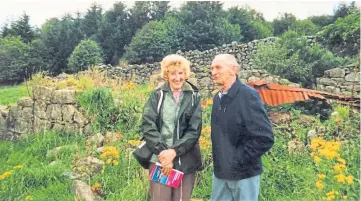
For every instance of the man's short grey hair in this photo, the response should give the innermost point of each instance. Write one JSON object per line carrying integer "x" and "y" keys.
{"x": 229, "y": 59}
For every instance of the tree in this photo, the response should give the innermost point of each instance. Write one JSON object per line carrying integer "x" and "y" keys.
{"x": 14, "y": 55}
{"x": 85, "y": 54}
{"x": 262, "y": 29}
{"x": 304, "y": 27}
{"x": 204, "y": 26}
{"x": 140, "y": 14}
{"x": 321, "y": 20}
{"x": 293, "y": 58}
{"x": 282, "y": 23}
{"x": 35, "y": 62}
{"x": 92, "y": 20}
{"x": 276, "y": 59}
{"x": 343, "y": 10}
{"x": 343, "y": 36}
{"x": 7, "y": 31}
{"x": 115, "y": 32}
{"x": 58, "y": 40}
{"x": 20, "y": 27}
{"x": 252, "y": 24}
{"x": 155, "y": 40}
{"x": 159, "y": 9}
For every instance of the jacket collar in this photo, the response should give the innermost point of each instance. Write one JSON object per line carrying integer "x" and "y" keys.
{"x": 234, "y": 88}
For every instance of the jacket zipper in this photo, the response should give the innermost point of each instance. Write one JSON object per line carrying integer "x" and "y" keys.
{"x": 179, "y": 159}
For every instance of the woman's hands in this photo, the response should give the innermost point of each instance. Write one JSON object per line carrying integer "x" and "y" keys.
{"x": 166, "y": 160}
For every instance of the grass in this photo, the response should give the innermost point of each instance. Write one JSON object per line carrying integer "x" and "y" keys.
{"x": 286, "y": 177}
{"x": 36, "y": 177}
{"x": 11, "y": 94}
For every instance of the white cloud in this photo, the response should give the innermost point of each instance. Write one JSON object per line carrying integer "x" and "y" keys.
{"x": 40, "y": 10}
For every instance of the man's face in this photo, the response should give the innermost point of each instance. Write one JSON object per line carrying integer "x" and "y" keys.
{"x": 176, "y": 79}
{"x": 221, "y": 72}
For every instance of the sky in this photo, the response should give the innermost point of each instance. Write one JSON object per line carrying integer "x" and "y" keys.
{"x": 41, "y": 10}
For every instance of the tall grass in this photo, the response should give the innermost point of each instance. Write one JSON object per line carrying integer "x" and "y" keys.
{"x": 31, "y": 173}
{"x": 286, "y": 177}
{"x": 11, "y": 94}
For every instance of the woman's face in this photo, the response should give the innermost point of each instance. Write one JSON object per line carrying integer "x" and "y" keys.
{"x": 176, "y": 78}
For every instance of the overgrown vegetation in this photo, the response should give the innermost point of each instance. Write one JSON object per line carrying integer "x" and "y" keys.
{"x": 306, "y": 172}
{"x": 291, "y": 57}
{"x": 10, "y": 95}
{"x": 99, "y": 104}
{"x": 316, "y": 155}
{"x": 86, "y": 54}
{"x": 148, "y": 31}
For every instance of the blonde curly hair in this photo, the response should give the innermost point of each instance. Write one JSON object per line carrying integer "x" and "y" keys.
{"x": 174, "y": 62}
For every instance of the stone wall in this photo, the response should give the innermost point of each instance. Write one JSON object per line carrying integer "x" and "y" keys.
{"x": 340, "y": 81}
{"x": 200, "y": 62}
{"x": 48, "y": 109}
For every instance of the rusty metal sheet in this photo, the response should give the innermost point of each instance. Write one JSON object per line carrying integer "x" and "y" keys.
{"x": 275, "y": 94}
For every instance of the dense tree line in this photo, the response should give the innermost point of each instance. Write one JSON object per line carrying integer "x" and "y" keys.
{"x": 149, "y": 30}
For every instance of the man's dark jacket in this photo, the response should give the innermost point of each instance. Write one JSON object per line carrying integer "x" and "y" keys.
{"x": 241, "y": 133}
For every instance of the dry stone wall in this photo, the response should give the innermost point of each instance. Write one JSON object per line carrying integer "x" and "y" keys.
{"x": 340, "y": 81}
{"x": 200, "y": 62}
{"x": 48, "y": 109}
{"x": 337, "y": 80}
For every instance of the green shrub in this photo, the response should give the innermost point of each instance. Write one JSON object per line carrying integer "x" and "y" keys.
{"x": 86, "y": 53}
{"x": 264, "y": 30}
{"x": 14, "y": 55}
{"x": 153, "y": 41}
{"x": 275, "y": 58}
{"x": 304, "y": 27}
{"x": 99, "y": 104}
{"x": 343, "y": 36}
{"x": 130, "y": 106}
{"x": 291, "y": 57}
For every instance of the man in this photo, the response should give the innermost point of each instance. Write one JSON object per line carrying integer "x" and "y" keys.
{"x": 241, "y": 134}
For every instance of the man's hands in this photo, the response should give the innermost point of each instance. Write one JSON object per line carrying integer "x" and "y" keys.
{"x": 166, "y": 160}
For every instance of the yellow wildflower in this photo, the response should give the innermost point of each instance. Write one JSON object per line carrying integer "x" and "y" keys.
{"x": 210, "y": 101}
{"x": 339, "y": 167}
{"x": 312, "y": 154}
{"x": 317, "y": 142}
{"x": 109, "y": 161}
{"x": 333, "y": 146}
{"x": 327, "y": 153}
{"x": 349, "y": 179}
{"x": 321, "y": 176}
{"x": 320, "y": 185}
{"x": 115, "y": 162}
{"x": 134, "y": 143}
{"x": 342, "y": 161}
{"x": 340, "y": 178}
{"x": 95, "y": 187}
{"x": 110, "y": 152}
{"x": 5, "y": 174}
{"x": 331, "y": 197}
{"x": 206, "y": 130}
{"x": 332, "y": 192}
{"x": 317, "y": 159}
{"x": 344, "y": 197}
{"x": 28, "y": 197}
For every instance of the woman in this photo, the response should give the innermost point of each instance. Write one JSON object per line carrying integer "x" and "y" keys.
{"x": 171, "y": 126}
